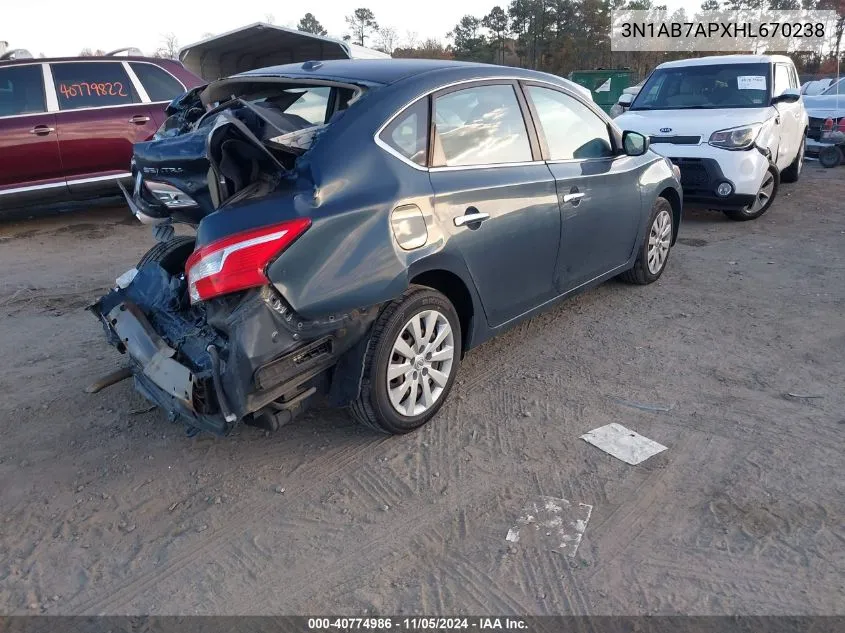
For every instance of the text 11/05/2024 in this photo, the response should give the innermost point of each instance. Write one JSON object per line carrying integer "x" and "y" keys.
{"x": 419, "y": 623}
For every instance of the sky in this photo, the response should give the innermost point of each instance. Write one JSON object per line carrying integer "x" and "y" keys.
{"x": 64, "y": 27}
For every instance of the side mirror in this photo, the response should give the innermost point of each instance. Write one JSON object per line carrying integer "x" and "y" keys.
{"x": 634, "y": 143}
{"x": 625, "y": 99}
{"x": 790, "y": 95}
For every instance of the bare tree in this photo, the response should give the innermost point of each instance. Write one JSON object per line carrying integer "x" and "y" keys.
{"x": 169, "y": 48}
{"x": 86, "y": 52}
{"x": 387, "y": 39}
{"x": 411, "y": 39}
{"x": 269, "y": 18}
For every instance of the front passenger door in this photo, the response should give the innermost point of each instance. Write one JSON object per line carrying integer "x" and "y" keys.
{"x": 494, "y": 197}
{"x": 791, "y": 124}
{"x": 598, "y": 190}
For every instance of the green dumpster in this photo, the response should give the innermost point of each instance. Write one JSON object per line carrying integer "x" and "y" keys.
{"x": 605, "y": 84}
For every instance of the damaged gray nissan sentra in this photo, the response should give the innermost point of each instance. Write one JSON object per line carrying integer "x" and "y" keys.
{"x": 360, "y": 225}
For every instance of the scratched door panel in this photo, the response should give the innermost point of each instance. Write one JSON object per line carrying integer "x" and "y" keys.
{"x": 100, "y": 117}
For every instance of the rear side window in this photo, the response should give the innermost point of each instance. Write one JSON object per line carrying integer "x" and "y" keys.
{"x": 92, "y": 85}
{"x": 159, "y": 84}
{"x": 480, "y": 126}
{"x": 311, "y": 104}
{"x": 571, "y": 129}
{"x": 407, "y": 134}
{"x": 22, "y": 90}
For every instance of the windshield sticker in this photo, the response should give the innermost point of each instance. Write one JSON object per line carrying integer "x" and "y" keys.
{"x": 751, "y": 82}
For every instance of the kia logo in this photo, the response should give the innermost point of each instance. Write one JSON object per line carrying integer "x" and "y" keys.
{"x": 665, "y": 129}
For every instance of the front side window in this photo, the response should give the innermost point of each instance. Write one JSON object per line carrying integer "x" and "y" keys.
{"x": 159, "y": 84}
{"x": 22, "y": 90}
{"x": 710, "y": 86}
{"x": 92, "y": 85}
{"x": 407, "y": 134}
{"x": 480, "y": 126}
{"x": 571, "y": 129}
{"x": 781, "y": 80}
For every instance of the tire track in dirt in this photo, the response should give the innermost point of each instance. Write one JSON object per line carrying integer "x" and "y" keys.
{"x": 423, "y": 524}
{"x": 258, "y": 509}
{"x": 631, "y": 516}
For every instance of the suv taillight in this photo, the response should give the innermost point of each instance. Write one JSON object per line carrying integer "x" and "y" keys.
{"x": 238, "y": 262}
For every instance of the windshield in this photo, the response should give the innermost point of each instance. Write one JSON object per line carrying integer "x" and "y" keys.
{"x": 837, "y": 88}
{"x": 705, "y": 87}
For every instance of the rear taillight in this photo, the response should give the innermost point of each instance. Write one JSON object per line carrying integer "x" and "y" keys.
{"x": 238, "y": 262}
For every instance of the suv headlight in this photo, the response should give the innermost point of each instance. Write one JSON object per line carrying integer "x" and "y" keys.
{"x": 736, "y": 137}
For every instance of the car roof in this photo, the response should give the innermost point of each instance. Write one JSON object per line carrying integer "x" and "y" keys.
{"x": 379, "y": 71}
{"x": 88, "y": 58}
{"x": 726, "y": 59}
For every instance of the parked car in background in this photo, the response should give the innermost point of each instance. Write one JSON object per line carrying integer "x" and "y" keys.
{"x": 734, "y": 124}
{"x": 816, "y": 86}
{"x": 625, "y": 100}
{"x": 829, "y": 104}
{"x": 361, "y": 224}
{"x": 67, "y": 125}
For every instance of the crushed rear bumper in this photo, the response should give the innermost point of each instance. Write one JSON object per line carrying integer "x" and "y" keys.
{"x": 222, "y": 362}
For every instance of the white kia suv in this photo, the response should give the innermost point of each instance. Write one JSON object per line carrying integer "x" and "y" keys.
{"x": 733, "y": 124}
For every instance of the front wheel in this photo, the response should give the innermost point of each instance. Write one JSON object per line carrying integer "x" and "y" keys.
{"x": 762, "y": 201}
{"x": 654, "y": 252}
{"x": 411, "y": 361}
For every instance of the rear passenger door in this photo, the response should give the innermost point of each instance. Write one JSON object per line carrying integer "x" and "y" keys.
{"x": 597, "y": 189}
{"x": 30, "y": 166}
{"x": 161, "y": 87}
{"x": 495, "y": 196}
{"x": 101, "y": 114}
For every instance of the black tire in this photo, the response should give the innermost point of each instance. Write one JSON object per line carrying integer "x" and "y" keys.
{"x": 830, "y": 156}
{"x": 170, "y": 255}
{"x": 752, "y": 213}
{"x": 793, "y": 172}
{"x": 373, "y": 407}
{"x": 640, "y": 273}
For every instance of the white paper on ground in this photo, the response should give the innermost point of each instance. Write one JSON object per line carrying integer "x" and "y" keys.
{"x": 551, "y": 523}
{"x": 614, "y": 439}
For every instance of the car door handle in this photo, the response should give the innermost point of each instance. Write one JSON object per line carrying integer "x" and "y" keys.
{"x": 569, "y": 197}
{"x": 461, "y": 220}
{"x": 139, "y": 119}
{"x": 42, "y": 130}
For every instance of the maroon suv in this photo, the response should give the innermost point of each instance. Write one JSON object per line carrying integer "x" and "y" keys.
{"x": 67, "y": 125}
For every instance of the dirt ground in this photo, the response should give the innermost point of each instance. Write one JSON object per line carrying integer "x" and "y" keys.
{"x": 106, "y": 507}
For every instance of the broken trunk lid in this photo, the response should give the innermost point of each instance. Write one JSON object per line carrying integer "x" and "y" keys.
{"x": 241, "y": 148}
{"x": 260, "y": 45}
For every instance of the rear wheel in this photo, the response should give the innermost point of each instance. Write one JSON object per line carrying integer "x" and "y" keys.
{"x": 411, "y": 361}
{"x": 793, "y": 172}
{"x": 170, "y": 255}
{"x": 830, "y": 156}
{"x": 762, "y": 201}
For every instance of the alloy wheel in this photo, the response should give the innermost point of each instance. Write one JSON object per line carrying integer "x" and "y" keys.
{"x": 763, "y": 195}
{"x": 421, "y": 363}
{"x": 659, "y": 240}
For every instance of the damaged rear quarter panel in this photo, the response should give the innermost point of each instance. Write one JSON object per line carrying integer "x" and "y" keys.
{"x": 348, "y": 186}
